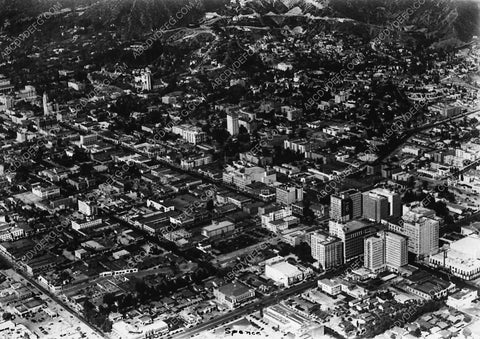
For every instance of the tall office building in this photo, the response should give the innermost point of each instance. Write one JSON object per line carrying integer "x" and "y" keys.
{"x": 375, "y": 207}
{"x": 394, "y": 201}
{"x": 374, "y": 258}
{"x": 421, "y": 227}
{"x": 396, "y": 250}
{"x": 346, "y": 205}
{"x": 146, "y": 80}
{"x": 232, "y": 124}
{"x": 352, "y": 235}
{"x": 385, "y": 250}
{"x": 47, "y": 106}
{"x": 327, "y": 249}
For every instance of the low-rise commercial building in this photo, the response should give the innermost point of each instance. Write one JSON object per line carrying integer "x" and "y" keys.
{"x": 233, "y": 294}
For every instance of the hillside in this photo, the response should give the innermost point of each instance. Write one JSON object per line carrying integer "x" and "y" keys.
{"x": 434, "y": 23}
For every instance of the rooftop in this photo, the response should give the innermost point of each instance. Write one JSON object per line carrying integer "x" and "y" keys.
{"x": 234, "y": 289}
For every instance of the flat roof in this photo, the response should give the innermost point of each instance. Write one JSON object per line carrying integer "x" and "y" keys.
{"x": 234, "y": 289}
{"x": 286, "y": 268}
{"x": 220, "y": 225}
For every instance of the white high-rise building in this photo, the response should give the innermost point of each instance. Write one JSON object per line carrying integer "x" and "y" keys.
{"x": 374, "y": 258}
{"x": 328, "y": 250}
{"x": 232, "y": 124}
{"x": 146, "y": 80}
{"x": 396, "y": 250}
{"x": 47, "y": 107}
{"x": 421, "y": 227}
{"x": 385, "y": 250}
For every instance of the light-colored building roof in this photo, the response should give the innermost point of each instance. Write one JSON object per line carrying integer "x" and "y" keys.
{"x": 286, "y": 268}
{"x": 217, "y": 226}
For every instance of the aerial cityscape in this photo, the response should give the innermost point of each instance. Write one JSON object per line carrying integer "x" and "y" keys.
{"x": 239, "y": 169}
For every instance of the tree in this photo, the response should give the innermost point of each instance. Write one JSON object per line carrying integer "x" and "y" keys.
{"x": 411, "y": 182}
{"x": 22, "y": 173}
{"x": 109, "y": 298}
{"x": 79, "y": 155}
{"x": 220, "y": 135}
{"x": 210, "y": 205}
{"x": 307, "y": 211}
{"x": 86, "y": 169}
{"x": 7, "y": 316}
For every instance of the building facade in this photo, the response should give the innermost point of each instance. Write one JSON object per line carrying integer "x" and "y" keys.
{"x": 328, "y": 250}
{"x": 374, "y": 258}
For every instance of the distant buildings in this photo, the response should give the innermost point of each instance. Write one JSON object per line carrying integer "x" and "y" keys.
{"x": 218, "y": 228}
{"x": 287, "y": 195}
{"x": 5, "y": 85}
{"x": 146, "y": 79}
{"x": 242, "y": 175}
{"x": 191, "y": 134}
{"x": 327, "y": 249}
{"x": 87, "y": 140}
{"x": 80, "y": 224}
{"x": 196, "y": 161}
{"x": 29, "y": 93}
{"x": 278, "y": 218}
{"x": 6, "y": 102}
{"x": 46, "y": 192}
{"x": 298, "y": 145}
{"x": 446, "y": 109}
{"x": 87, "y": 207}
{"x": 47, "y": 108}
{"x": 78, "y": 86}
{"x": 232, "y": 124}
{"x": 283, "y": 66}
{"x": 143, "y": 79}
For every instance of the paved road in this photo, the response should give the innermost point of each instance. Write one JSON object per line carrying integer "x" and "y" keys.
{"x": 170, "y": 165}
{"x": 409, "y": 133}
{"x": 441, "y": 122}
{"x": 264, "y": 302}
{"x": 59, "y": 302}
